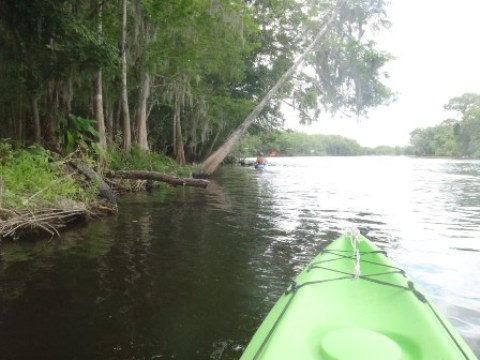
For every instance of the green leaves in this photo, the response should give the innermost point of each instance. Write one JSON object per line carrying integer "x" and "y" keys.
{"x": 79, "y": 134}
{"x": 230, "y": 52}
{"x": 347, "y": 65}
{"x": 464, "y": 103}
{"x": 87, "y": 48}
{"x": 453, "y": 138}
{"x": 292, "y": 143}
{"x": 136, "y": 159}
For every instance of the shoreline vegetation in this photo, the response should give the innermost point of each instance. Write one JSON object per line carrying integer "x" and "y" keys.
{"x": 42, "y": 193}
{"x": 186, "y": 79}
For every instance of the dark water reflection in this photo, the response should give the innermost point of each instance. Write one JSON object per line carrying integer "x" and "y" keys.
{"x": 190, "y": 274}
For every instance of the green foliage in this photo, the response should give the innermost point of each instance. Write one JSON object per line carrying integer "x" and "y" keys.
{"x": 209, "y": 63}
{"x": 78, "y": 133}
{"x": 463, "y": 103}
{"x": 86, "y": 47}
{"x": 199, "y": 52}
{"x": 249, "y": 146}
{"x": 452, "y": 138}
{"x": 32, "y": 178}
{"x": 5, "y": 151}
{"x": 138, "y": 159}
{"x": 292, "y": 143}
{"x": 387, "y": 150}
{"x": 57, "y": 40}
{"x": 468, "y": 133}
{"x": 348, "y": 69}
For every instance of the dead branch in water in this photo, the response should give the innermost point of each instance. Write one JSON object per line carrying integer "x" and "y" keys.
{"x": 152, "y": 175}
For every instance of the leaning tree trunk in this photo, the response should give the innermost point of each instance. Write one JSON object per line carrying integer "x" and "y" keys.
{"x": 127, "y": 133}
{"x": 213, "y": 161}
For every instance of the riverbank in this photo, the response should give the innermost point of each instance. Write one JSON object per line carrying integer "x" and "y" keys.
{"x": 41, "y": 193}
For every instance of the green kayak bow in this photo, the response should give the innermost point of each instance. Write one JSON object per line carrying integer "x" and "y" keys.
{"x": 353, "y": 303}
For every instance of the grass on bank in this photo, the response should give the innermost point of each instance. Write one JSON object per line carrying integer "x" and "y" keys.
{"x": 137, "y": 159}
{"x": 34, "y": 178}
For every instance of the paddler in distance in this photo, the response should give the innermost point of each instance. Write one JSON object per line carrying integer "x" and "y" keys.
{"x": 261, "y": 159}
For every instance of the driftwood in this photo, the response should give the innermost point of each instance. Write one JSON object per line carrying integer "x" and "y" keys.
{"x": 152, "y": 175}
{"x": 45, "y": 220}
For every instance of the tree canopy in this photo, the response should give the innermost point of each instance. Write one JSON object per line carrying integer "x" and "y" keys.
{"x": 189, "y": 72}
{"x": 457, "y": 137}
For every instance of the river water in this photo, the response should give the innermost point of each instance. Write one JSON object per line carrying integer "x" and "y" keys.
{"x": 190, "y": 273}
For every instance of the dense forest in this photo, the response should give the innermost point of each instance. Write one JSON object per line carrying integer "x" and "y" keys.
{"x": 455, "y": 137}
{"x": 179, "y": 76}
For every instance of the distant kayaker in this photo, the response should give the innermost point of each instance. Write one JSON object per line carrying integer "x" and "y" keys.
{"x": 261, "y": 159}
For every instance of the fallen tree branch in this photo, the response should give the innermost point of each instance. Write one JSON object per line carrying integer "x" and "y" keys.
{"x": 152, "y": 175}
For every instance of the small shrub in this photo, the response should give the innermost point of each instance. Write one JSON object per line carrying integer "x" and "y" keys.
{"x": 137, "y": 159}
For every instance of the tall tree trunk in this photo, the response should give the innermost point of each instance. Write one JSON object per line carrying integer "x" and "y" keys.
{"x": 110, "y": 122}
{"x": 68, "y": 95}
{"x": 98, "y": 109}
{"x": 177, "y": 133}
{"x": 98, "y": 91}
{"x": 37, "y": 127}
{"x": 214, "y": 160}
{"x": 52, "y": 103}
{"x": 141, "y": 113}
{"x": 18, "y": 120}
{"x": 127, "y": 133}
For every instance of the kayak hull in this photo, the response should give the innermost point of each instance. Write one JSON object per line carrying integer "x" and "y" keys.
{"x": 260, "y": 166}
{"x": 328, "y": 313}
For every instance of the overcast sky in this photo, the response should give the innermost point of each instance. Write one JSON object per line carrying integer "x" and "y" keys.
{"x": 436, "y": 44}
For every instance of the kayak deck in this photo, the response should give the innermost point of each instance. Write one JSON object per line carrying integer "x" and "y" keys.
{"x": 332, "y": 312}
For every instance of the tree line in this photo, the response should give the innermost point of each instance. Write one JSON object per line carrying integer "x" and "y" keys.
{"x": 178, "y": 76}
{"x": 454, "y": 137}
{"x": 294, "y": 143}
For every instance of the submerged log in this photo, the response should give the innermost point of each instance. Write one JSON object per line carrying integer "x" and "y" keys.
{"x": 153, "y": 175}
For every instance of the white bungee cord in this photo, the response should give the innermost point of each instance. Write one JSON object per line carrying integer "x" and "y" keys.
{"x": 355, "y": 238}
